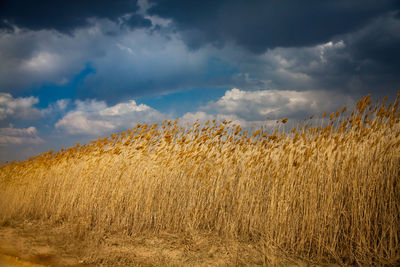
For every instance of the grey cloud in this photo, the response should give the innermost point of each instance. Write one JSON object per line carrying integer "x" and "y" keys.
{"x": 130, "y": 63}
{"x": 39, "y": 57}
{"x": 368, "y": 61}
{"x": 378, "y": 44}
{"x": 48, "y": 57}
{"x": 143, "y": 63}
{"x": 259, "y": 25}
{"x": 64, "y": 16}
{"x": 138, "y": 21}
{"x": 357, "y": 63}
{"x": 19, "y": 136}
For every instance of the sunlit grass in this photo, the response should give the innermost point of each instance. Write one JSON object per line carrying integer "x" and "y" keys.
{"x": 328, "y": 192}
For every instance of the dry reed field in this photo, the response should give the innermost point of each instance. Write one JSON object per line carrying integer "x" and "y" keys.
{"x": 324, "y": 192}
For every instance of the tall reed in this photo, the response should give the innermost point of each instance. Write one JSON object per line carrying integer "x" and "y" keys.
{"x": 328, "y": 192}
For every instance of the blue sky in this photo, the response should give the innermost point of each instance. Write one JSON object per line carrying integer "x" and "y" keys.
{"x": 71, "y": 71}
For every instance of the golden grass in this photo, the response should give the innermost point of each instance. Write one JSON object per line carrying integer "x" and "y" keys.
{"x": 326, "y": 193}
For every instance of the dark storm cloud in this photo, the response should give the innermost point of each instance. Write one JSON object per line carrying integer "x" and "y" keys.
{"x": 368, "y": 62}
{"x": 379, "y": 43}
{"x": 127, "y": 62}
{"x": 64, "y": 16}
{"x": 258, "y": 25}
{"x": 137, "y": 21}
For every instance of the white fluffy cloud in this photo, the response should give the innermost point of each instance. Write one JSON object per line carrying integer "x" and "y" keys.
{"x": 11, "y": 135}
{"x": 256, "y": 105}
{"x": 81, "y": 121}
{"x": 253, "y": 107}
{"x": 22, "y": 107}
{"x": 96, "y": 118}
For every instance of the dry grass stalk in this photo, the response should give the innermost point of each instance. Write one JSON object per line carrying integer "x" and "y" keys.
{"x": 328, "y": 194}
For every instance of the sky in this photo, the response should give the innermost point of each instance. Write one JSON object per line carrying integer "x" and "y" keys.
{"x": 71, "y": 71}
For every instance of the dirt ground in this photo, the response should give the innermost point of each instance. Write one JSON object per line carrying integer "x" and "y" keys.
{"x": 34, "y": 244}
{"x": 28, "y": 246}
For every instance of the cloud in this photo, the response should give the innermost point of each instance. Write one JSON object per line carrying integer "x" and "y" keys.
{"x": 19, "y": 136}
{"x": 61, "y": 104}
{"x": 39, "y": 57}
{"x": 21, "y": 107}
{"x": 361, "y": 62}
{"x": 259, "y": 25}
{"x": 130, "y": 63}
{"x": 95, "y": 118}
{"x": 24, "y": 107}
{"x": 202, "y": 116}
{"x": 364, "y": 61}
{"x": 253, "y": 107}
{"x": 256, "y": 105}
{"x": 127, "y": 63}
{"x": 49, "y": 57}
{"x": 65, "y": 16}
{"x": 138, "y": 21}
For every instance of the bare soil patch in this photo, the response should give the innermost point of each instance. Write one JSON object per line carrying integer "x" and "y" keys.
{"x": 38, "y": 244}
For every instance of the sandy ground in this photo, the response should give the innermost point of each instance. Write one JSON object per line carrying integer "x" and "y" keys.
{"x": 30, "y": 244}
{"x": 19, "y": 247}
{"x": 33, "y": 244}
